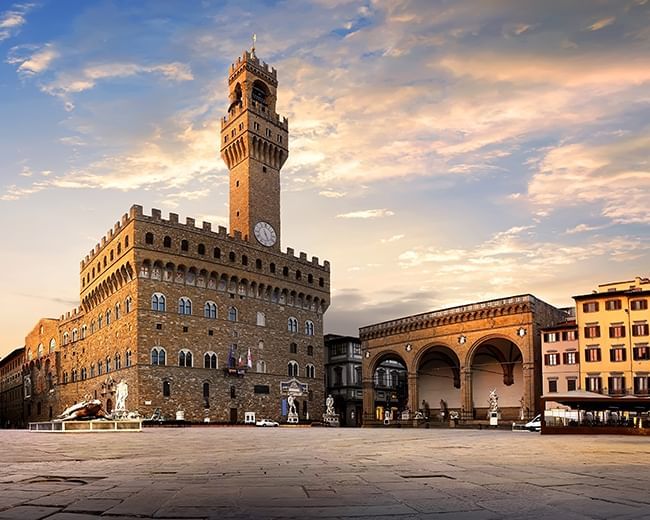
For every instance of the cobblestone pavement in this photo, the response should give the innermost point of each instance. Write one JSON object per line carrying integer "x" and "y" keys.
{"x": 225, "y": 473}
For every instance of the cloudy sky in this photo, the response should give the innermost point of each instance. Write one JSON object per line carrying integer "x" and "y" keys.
{"x": 441, "y": 152}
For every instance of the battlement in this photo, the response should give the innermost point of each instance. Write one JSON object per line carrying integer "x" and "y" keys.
{"x": 250, "y": 58}
{"x": 205, "y": 229}
{"x": 258, "y": 109}
{"x": 110, "y": 234}
{"x": 74, "y": 314}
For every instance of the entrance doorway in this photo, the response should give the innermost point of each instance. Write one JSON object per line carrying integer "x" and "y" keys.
{"x": 233, "y": 416}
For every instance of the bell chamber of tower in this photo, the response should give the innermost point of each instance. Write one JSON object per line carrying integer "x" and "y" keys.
{"x": 254, "y": 146}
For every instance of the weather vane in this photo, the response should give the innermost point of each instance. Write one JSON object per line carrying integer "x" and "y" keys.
{"x": 254, "y": 40}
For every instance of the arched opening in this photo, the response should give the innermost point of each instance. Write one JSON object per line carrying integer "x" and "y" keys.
{"x": 235, "y": 97}
{"x": 439, "y": 382}
{"x": 390, "y": 387}
{"x": 497, "y": 364}
{"x": 260, "y": 92}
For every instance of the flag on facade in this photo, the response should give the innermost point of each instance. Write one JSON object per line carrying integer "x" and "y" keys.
{"x": 249, "y": 359}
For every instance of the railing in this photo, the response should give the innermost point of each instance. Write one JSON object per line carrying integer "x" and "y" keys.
{"x": 416, "y": 318}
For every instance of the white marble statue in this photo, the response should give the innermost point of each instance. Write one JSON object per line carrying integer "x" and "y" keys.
{"x": 121, "y": 393}
{"x": 329, "y": 403}
{"x": 493, "y": 401}
{"x": 291, "y": 401}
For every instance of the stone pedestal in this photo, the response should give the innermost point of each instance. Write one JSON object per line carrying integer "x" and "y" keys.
{"x": 292, "y": 418}
{"x": 331, "y": 420}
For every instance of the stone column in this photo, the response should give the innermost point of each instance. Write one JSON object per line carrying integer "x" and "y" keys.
{"x": 368, "y": 402}
{"x": 413, "y": 401}
{"x": 466, "y": 393}
{"x": 529, "y": 388}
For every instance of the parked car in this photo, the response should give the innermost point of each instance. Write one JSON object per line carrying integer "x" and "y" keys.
{"x": 535, "y": 424}
{"x": 266, "y": 422}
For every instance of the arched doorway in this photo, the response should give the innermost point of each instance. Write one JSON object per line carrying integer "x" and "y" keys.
{"x": 438, "y": 381}
{"x": 390, "y": 387}
{"x": 497, "y": 364}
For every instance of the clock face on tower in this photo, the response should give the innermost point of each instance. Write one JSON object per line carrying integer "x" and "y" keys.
{"x": 265, "y": 233}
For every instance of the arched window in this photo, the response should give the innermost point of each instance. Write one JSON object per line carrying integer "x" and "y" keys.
{"x": 148, "y": 238}
{"x": 126, "y": 240}
{"x": 206, "y": 390}
{"x": 357, "y": 375}
{"x": 39, "y": 350}
{"x": 65, "y": 377}
{"x": 261, "y": 319}
{"x": 119, "y": 248}
{"x": 100, "y": 321}
{"x": 167, "y": 389}
{"x": 66, "y": 338}
{"x": 128, "y": 303}
{"x": 216, "y": 253}
{"x": 292, "y": 324}
{"x": 128, "y": 360}
{"x": 210, "y": 310}
{"x": 298, "y": 275}
{"x": 92, "y": 326}
{"x": 118, "y": 361}
{"x": 310, "y": 350}
{"x": 158, "y": 356}
{"x": 272, "y": 268}
{"x": 118, "y": 310}
{"x": 92, "y": 370}
{"x": 200, "y": 249}
{"x": 310, "y": 278}
{"x": 167, "y": 242}
{"x": 75, "y": 334}
{"x": 84, "y": 374}
{"x": 309, "y": 328}
{"x": 84, "y": 329}
{"x": 293, "y": 348}
{"x": 258, "y": 264}
{"x": 108, "y": 364}
{"x": 52, "y": 345}
{"x": 293, "y": 369}
{"x": 50, "y": 381}
{"x": 244, "y": 260}
{"x": 381, "y": 377}
{"x": 100, "y": 367}
{"x": 232, "y": 314}
{"x": 184, "y": 358}
{"x": 112, "y": 255}
{"x": 310, "y": 371}
{"x": 158, "y": 302}
{"x": 261, "y": 366}
{"x": 185, "y": 245}
{"x": 232, "y": 256}
{"x": 184, "y": 306}
{"x": 210, "y": 360}
{"x": 108, "y": 318}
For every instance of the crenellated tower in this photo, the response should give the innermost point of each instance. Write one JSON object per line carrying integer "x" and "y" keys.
{"x": 254, "y": 146}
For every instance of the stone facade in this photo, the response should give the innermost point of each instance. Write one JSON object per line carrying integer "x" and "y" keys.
{"x": 12, "y": 413}
{"x": 196, "y": 320}
{"x": 455, "y": 357}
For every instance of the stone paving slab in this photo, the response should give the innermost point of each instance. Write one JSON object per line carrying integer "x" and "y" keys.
{"x": 237, "y": 473}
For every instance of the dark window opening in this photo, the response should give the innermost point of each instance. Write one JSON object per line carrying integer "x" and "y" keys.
{"x": 185, "y": 245}
{"x": 200, "y": 249}
{"x": 216, "y": 253}
{"x": 167, "y": 389}
{"x": 167, "y": 242}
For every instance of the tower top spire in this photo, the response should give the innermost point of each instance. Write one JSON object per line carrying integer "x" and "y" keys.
{"x": 253, "y": 46}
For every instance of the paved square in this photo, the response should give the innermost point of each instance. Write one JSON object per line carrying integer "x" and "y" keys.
{"x": 237, "y": 472}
